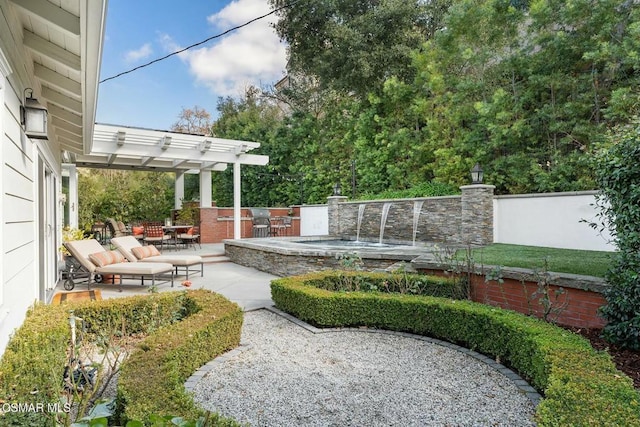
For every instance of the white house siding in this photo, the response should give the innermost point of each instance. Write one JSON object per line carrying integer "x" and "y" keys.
{"x": 28, "y": 233}
{"x": 19, "y": 269}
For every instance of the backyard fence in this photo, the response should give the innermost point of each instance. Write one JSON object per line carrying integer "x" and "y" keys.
{"x": 558, "y": 220}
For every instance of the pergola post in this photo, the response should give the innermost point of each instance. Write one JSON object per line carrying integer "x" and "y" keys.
{"x": 205, "y": 188}
{"x": 237, "y": 202}
{"x": 179, "y": 190}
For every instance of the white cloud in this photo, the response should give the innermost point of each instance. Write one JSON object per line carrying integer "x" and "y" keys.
{"x": 135, "y": 55}
{"x": 252, "y": 55}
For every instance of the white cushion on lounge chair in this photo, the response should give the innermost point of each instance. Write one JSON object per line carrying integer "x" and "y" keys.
{"x": 127, "y": 243}
{"x": 82, "y": 249}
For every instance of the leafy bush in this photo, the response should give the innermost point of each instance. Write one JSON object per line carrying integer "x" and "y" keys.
{"x": 187, "y": 329}
{"x": 618, "y": 174}
{"x": 426, "y": 189}
{"x": 581, "y": 386}
{"x": 152, "y": 378}
{"x": 397, "y": 282}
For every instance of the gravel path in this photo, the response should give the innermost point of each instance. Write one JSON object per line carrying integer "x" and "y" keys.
{"x": 288, "y": 376}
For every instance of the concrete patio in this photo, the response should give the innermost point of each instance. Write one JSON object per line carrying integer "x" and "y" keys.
{"x": 246, "y": 286}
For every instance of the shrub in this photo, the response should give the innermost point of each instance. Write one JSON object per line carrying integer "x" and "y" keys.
{"x": 397, "y": 282}
{"x": 425, "y": 189}
{"x": 186, "y": 330}
{"x": 152, "y": 378}
{"x": 617, "y": 174}
{"x": 581, "y": 386}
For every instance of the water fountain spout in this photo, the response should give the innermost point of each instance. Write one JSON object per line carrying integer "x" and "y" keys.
{"x": 417, "y": 207}
{"x": 383, "y": 219}
{"x": 360, "y": 216}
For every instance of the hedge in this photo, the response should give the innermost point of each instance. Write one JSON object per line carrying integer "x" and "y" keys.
{"x": 152, "y": 379}
{"x": 397, "y": 282}
{"x": 581, "y": 386}
{"x": 186, "y": 330}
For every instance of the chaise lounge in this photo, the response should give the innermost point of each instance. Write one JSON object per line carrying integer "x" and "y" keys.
{"x": 134, "y": 252}
{"x": 98, "y": 261}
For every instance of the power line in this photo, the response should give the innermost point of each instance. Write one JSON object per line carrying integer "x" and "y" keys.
{"x": 201, "y": 42}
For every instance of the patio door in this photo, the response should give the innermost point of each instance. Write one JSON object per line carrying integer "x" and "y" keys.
{"x": 46, "y": 229}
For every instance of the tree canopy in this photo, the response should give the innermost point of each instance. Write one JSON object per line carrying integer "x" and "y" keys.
{"x": 387, "y": 95}
{"x": 524, "y": 88}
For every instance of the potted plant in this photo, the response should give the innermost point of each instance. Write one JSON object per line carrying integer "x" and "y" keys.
{"x": 70, "y": 234}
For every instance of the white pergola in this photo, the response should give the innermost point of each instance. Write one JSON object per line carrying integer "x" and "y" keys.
{"x": 130, "y": 148}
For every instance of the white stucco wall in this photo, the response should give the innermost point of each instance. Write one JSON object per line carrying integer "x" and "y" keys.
{"x": 314, "y": 220}
{"x": 551, "y": 220}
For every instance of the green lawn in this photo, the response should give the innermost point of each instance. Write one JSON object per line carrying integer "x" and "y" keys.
{"x": 590, "y": 263}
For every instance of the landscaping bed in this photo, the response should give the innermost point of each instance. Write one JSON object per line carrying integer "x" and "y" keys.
{"x": 580, "y": 385}
{"x": 183, "y": 331}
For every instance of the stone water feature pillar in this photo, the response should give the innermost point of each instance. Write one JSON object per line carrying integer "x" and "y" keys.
{"x": 477, "y": 214}
{"x": 333, "y": 207}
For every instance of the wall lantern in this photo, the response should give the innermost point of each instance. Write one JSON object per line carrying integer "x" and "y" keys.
{"x": 34, "y": 117}
{"x": 477, "y": 174}
{"x": 337, "y": 190}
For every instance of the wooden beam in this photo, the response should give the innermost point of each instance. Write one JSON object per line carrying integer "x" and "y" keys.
{"x": 146, "y": 160}
{"x": 62, "y": 100}
{"x": 52, "y": 51}
{"x": 52, "y": 14}
{"x": 67, "y": 116}
{"x": 57, "y": 80}
{"x": 68, "y": 135}
{"x": 68, "y": 127}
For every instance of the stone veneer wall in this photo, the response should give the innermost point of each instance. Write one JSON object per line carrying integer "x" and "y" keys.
{"x": 465, "y": 219}
{"x": 280, "y": 264}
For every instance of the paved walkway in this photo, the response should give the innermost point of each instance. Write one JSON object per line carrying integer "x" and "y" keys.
{"x": 247, "y": 287}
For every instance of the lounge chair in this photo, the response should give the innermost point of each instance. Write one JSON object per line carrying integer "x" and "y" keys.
{"x": 134, "y": 252}
{"x": 98, "y": 261}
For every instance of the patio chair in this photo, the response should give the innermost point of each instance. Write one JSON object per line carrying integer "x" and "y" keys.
{"x": 261, "y": 224}
{"x": 154, "y": 235}
{"x": 114, "y": 228}
{"x": 134, "y": 252}
{"x": 190, "y": 237}
{"x": 98, "y": 261}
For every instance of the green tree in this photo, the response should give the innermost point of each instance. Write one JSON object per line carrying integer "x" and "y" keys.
{"x": 527, "y": 92}
{"x": 618, "y": 175}
{"x": 123, "y": 195}
{"x": 354, "y": 45}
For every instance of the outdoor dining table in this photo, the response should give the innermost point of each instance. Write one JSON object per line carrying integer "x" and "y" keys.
{"x": 175, "y": 230}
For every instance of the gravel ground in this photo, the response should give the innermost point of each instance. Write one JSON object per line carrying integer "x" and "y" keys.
{"x": 289, "y": 376}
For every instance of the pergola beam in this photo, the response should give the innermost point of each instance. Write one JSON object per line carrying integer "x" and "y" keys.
{"x": 174, "y": 153}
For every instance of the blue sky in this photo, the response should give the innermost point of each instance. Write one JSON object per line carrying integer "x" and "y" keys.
{"x": 142, "y": 30}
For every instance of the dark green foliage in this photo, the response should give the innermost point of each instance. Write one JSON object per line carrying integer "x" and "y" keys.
{"x": 427, "y": 189}
{"x": 398, "y": 282}
{"x": 123, "y": 195}
{"x": 187, "y": 329}
{"x": 354, "y": 45}
{"x": 581, "y": 386}
{"x": 32, "y": 364}
{"x": 618, "y": 175}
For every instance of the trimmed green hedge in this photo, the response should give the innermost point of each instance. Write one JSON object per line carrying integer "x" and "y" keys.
{"x": 152, "y": 378}
{"x": 398, "y": 282}
{"x": 582, "y": 387}
{"x": 187, "y": 329}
